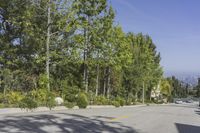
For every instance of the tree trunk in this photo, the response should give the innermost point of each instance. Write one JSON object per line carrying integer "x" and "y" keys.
{"x": 97, "y": 80}
{"x": 109, "y": 86}
{"x": 85, "y": 73}
{"x": 143, "y": 93}
{"x": 4, "y": 91}
{"x": 136, "y": 96}
{"x": 104, "y": 82}
{"x": 47, "y": 43}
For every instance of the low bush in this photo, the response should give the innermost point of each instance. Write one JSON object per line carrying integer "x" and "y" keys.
{"x": 44, "y": 98}
{"x": 50, "y": 100}
{"x": 40, "y": 95}
{"x": 129, "y": 102}
{"x": 1, "y": 98}
{"x": 82, "y": 100}
{"x": 159, "y": 102}
{"x": 2, "y": 105}
{"x": 116, "y": 103}
{"x": 101, "y": 100}
{"x": 28, "y": 103}
{"x": 69, "y": 105}
{"x": 90, "y": 97}
{"x": 14, "y": 97}
{"x": 70, "y": 94}
{"x": 120, "y": 100}
{"x": 148, "y": 101}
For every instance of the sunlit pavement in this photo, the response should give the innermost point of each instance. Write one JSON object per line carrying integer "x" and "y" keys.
{"x": 182, "y": 118}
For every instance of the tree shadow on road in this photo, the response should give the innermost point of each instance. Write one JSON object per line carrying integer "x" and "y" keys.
{"x": 183, "y": 128}
{"x": 185, "y": 106}
{"x": 197, "y": 112}
{"x": 60, "y": 123}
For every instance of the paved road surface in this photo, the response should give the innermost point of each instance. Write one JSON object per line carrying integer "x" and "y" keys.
{"x": 148, "y": 119}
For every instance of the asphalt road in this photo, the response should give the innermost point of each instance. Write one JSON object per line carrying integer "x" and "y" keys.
{"x": 148, "y": 119}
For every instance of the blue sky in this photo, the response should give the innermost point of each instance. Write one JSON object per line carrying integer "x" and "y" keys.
{"x": 174, "y": 26}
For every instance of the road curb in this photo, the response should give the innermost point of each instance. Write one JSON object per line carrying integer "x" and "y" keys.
{"x": 7, "y": 111}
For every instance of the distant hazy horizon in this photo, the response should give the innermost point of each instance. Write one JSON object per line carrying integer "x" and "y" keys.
{"x": 180, "y": 73}
{"x": 174, "y": 26}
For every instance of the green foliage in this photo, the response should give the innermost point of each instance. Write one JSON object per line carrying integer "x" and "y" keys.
{"x": 44, "y": 98}
{"x": 131, "y": 99}
{"x": 28, "y": 103}
{"x": 69, "y": 105}
{"x": 70, "y": 94}
{"x": 82, "y": 100}
{"x": 148, "y": 101}
{"x": 179, "y": 90}
{"x": 43, "y": 80}
{"x": 1, "y": 98}
{"x": 197, "y": 88}
{"x": 129, "y": 102}
{"x": 2, "y": 105}
{"x": 166, "y": 88}
{"x": 83, "y": 37}
{"x": 50, "y": 100}
{"x": 14, "y": 97}
{"x": 116, "y": 103}
{"x": 120, "y": 100}
{"x": 101, "y": 100}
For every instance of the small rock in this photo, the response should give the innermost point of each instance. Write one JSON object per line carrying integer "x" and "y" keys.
{"x": 59, "y": 100}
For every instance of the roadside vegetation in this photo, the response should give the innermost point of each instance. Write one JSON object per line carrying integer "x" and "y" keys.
{"x": 74, "y": 49}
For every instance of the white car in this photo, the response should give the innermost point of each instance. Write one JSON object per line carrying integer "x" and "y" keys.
{"x": 178, "y": 102}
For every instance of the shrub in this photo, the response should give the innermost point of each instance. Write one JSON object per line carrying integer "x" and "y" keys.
{"x": 14, "y": 97}
{"x": 121, "y": 101}
{"x": 148, "y": 101}
{"x": 116, "y": 103}
{"x": 128, "y": 102}
{"x": 91, "y": 97}
{"x": 71, "y": 94}
{"x": 69, "y": 105}
{"x": 2, "y": 105}
{"x": 50, "y": 100}
{"x": 44, "y": 98}
{"x": 28, "y": 103}
{"x": 101, "y": 100}
{"x": 82, "y": 100}
{"x": 43, "y": 81}
{"x": 41, "y": 96}
{"x": 1, "y": 98}
{"x": 159, "y": 102}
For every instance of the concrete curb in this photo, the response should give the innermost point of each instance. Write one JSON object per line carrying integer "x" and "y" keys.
{"x": 6, "y": 111}
{"x": 99, "y": 106}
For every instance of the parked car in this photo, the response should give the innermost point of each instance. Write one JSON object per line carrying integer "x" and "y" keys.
{"x": 178, "y": 102}
{"x": 189, "y": 101}
{"x": 199, "y": 103}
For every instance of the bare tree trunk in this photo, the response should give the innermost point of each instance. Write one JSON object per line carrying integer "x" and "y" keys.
{"x": 104, "y": 82}
{"x": 97, "y": 80}
{"x": 143, "y": 93}
{"x": 86, "y": 58}
{"x": 150, "y": 94}
{"x": 85, "y": 73}
{"x": 47, "y": 43}
{"x": 136, "y": 96}
{"x": 86, "y": 82}
{"x": 4, "y": 91}
{"x": 108, "y": 89}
